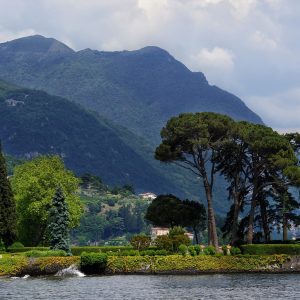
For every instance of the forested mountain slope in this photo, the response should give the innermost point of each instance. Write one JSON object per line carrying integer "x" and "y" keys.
{"x": 137, "y": 89}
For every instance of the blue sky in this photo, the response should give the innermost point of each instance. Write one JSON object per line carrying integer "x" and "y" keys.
{"x": 248, "y": 47}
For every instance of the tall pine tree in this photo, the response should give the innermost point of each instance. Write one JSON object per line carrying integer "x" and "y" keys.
{"x": 59, "y": 223}
{"x": 7, "y": 207}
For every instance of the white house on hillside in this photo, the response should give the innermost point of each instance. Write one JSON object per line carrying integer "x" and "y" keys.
{"x": 147, "y": 196}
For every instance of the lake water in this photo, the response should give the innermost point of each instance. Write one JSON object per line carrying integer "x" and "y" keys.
{"x": 229, "y": 286}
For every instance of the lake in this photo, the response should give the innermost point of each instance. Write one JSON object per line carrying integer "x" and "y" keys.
{"x": 228, "y": 286}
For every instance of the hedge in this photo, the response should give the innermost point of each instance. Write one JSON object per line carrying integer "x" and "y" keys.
{"x": 270, "y": 249}
{"x": 93, "y": 262}
{"x": 193, "y": 264}
{"x": 26, "y": 249}
{"x": 47, "y": 253}
{"x": 80, "y": 249}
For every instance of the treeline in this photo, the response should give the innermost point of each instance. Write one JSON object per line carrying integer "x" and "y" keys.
{"x": 259, "y": 165}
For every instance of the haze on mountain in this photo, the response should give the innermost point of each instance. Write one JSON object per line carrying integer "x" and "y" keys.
{"x": 132, "y": 94}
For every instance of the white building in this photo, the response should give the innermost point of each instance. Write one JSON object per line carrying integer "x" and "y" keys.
{"x": 147, "y": 196}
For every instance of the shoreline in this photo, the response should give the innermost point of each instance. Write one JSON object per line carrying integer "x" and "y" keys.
{"x": 163, "y": 265}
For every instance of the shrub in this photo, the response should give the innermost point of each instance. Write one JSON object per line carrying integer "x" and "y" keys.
{"x": 93, "y": 263}
{"x": 183, "y": 249}
{"x": 269, "y": 249}
{"x": 140, "y": 242}
{"x": 192, "y": 250}
{"x": 235, "y": 251}
{"x": 16, "y": 245}
{"x": 162, "y": 252}
{"x": 197, "y": 249}
{"x": 164, "y": 242}
{"x": 176, "y": 230}
{"x": 132, "y": 253}
{"x": 178, "y": 240}
{"x": 210, "y": 250}
{"x": 2, "y": 246}
{"x": 148, "y": 253}
{"x": 38, "y": 253}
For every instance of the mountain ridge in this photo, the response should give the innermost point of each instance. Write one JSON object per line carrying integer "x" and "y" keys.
{"x": 138, "y": 89}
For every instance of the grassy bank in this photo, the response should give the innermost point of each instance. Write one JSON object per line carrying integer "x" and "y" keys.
{"x": 17, "y": 265}
{"x": 12, "y": 265}
{"x": 196, "y": 264}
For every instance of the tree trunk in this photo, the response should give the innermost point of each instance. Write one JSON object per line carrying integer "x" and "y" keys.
{"x": 284, "y": 227}
{"x": 264, "y": 220}
{"x": 196, "y": 235}
{"x": 251, "y": 220}
{"x": 284, "y": 221}
{"x": 235, "y": 221}
{"x": 212, "y": 228}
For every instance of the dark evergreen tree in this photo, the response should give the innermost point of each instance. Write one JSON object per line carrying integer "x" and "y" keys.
{"x": 59, "y": 223}
{"x": 7, "y": 207}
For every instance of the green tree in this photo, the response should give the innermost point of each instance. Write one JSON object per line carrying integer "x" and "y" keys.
{"x": 170, "y": 211}
{"x": 163, "y": 211}
{"x": 59, "y": 220}
{"x": 195, "y": 217}
{"x": 192, "y": 141}
{"x": 7, "y": 206}
{"x": 34, "y": 183}
{"x": 254, "y": 160}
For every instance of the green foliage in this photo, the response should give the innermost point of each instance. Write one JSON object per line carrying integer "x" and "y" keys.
{"x": 16, "y": 245}
{"x": 164, "y": 242}
{"x": 192, "y": 251}
{"x": 2, "y": 246}
{"x": 170, "y": 211}
{"x": 162, "y": 252}
{"x": 210, "y": 250}
{"x": 197, "y": 264}
{"x": 183, "y": 249}
{"x": 103, "y": 224}
{"x": 59, "y": 220}
{"x": 47, "y": 253}
{"x": 34, "y": 184}
{"x": 192, "y": 140}
{"x": 11, "y": 265}
{"x": 270, "y": 249}
{"x": 140, "y": 242}
{"x": 77, "y": 251}
{"x": 8, "y": 218}
{"x": 235, "y": 251}
{"x": 197, "y": 249}
{"x": 178, "y": 240}
{"x": 176, "y": 230}
{"x": 26, "y": 249}
{"x": 93, "y": 263}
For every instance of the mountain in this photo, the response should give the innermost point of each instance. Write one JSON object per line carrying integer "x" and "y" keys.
{"x": 33, "y": 122}
{"x": 134, "y": 92}
{"x": 138, "y": 89}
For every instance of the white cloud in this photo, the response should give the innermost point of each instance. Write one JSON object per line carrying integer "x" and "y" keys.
{"x": 282, "y": 109}
{"x": 262, "y": 41}
{"x": 217, "y": 58}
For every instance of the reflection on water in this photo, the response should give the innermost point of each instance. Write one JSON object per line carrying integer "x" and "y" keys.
{"x": 230, "y": 286}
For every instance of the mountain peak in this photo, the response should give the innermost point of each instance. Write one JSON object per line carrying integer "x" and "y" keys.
{"x": 36, "y": 43}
